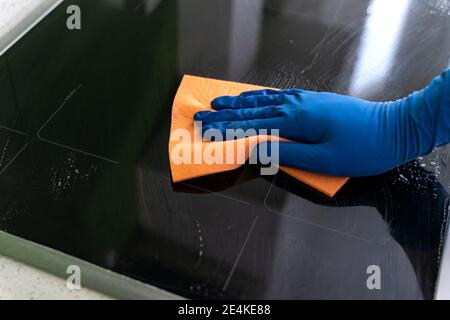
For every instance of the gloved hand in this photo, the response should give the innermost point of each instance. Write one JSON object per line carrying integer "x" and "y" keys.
{"x": 341, "y": 135}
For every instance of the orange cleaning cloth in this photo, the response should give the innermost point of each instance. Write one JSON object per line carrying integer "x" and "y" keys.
{"x": 195, "y": 94}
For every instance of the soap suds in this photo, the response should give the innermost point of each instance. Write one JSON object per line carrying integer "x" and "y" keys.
{"x": 201, "y": 243}
{"x": 65, "y": 177}
{"x": 5, "y": 148}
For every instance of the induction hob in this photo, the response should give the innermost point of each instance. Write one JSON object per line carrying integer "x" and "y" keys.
{"x": 84, "y": 129}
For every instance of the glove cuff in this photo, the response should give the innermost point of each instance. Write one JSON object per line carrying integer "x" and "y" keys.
{"x": 439, "y": 92}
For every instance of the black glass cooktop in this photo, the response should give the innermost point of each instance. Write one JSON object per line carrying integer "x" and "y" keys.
{"x": 84, "y": 123}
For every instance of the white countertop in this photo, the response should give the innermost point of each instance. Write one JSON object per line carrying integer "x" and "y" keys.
{"x": 13, "y": 12}
{"x": 17, "y": 16}
{"x": 21, "y": 282}
{"x": 443, "y": 285}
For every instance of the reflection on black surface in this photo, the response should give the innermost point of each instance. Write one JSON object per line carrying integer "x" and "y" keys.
{"x": 235, "y": 235}
{"x": 409, "y": 199}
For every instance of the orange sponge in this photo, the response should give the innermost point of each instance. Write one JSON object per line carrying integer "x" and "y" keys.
{"x": 195, "y": 94}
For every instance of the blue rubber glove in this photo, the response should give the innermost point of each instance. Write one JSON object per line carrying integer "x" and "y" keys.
{"x": 341, "y": 135}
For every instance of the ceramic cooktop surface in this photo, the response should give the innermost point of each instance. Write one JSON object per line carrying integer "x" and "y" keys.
{"x": 84, "y": 123}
